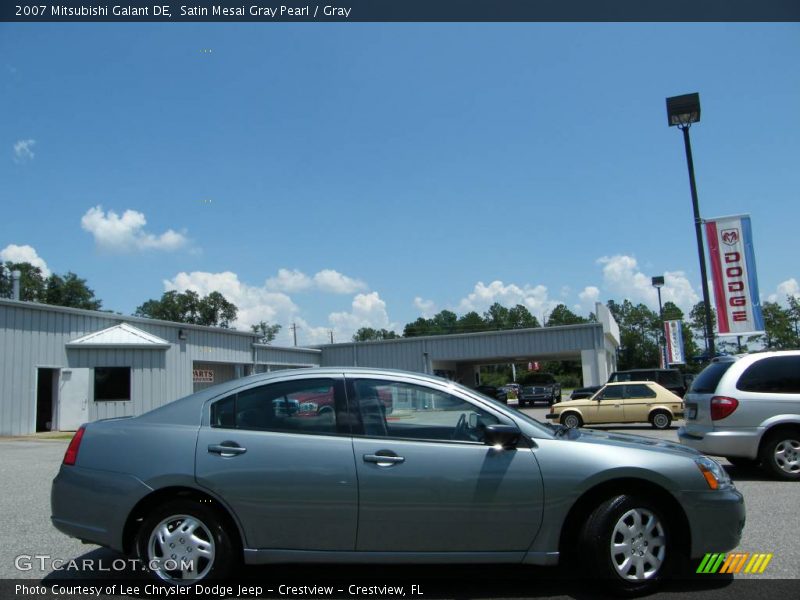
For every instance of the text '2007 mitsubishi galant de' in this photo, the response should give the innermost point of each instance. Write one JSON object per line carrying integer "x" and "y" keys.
{"x": 380, "y": 466}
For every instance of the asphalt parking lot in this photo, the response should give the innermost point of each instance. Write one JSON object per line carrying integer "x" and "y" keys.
{"x": 27, "y": 467}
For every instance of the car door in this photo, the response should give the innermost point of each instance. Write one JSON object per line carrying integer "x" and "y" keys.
{"x": 607, "y": 405}
{"x": 636, "y": 404}
{"x": 283, "y": 463}
{"x": 428, "y": 483}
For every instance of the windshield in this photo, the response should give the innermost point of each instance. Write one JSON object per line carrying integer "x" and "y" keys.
{"x": 539, "y": 380}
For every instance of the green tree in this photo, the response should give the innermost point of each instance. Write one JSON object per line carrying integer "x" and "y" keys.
{"x": 70, "y": 290}
{"x": 779, "y": 332}
{"x": 561, "y": 315}
{"x": 444, "y": 322}
{"x": 519, "y": 317}
{"x": 697, "y": 321}
{"x": 496, "y": 317}
{"x": 368, "y": 334}
{"x": 188, "y": 307}
{"x": 471, "y": 322}
{"x": 31, "y": 283}
{"x": 265, "y": 331}
{"x": 639, "y": 333}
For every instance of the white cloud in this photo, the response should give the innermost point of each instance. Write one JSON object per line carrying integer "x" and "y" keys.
{"x": 587, "y": 297}
{"x": 28, "y": 254}
{"x": 23, "y": 150}
{"x": 334, "y": 282}
{"x": 427, "y": 308}
{"x": 126, "y": 233}
{"x": 255, "y": 304}
{"x": 790, "y": 287}
{"x": 621, "y": 276}
{"x": 326, "y": 280}
{"x": 368, "y": 310}
{"x": 289, "y": 281}
{"x": 534, "y": 298}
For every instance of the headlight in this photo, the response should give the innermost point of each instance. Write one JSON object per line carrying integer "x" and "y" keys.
{"x": 715, "y": 476}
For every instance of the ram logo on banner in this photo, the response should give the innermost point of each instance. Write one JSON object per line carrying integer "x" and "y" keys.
{"x": 674, "y": 335}
{"x": 733, "y": 270}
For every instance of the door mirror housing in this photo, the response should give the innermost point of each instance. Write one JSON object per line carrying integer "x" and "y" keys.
{"x": 505, "y": 436}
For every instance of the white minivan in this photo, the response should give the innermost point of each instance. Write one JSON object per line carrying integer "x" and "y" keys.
{"x": 747, "y": 409}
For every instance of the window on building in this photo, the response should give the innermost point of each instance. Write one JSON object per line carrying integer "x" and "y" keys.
{"x": 112, "y": 384}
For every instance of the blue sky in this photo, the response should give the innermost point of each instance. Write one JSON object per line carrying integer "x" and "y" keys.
{"x": 355, "y": 175}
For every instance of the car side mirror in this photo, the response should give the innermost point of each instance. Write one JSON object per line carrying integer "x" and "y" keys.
{"x": 506, "y": 436}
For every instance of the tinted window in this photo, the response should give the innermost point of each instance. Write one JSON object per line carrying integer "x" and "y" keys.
{"x": 612, "y": 392}
{"x": 639, "y": 391}
{"x": 670, "y": 378}
{"x": 708, "y": 379}
{"x": 778, "y": 374}
{"x": 305, "y": 406}
{"x": 417, "y": 412}
{"x": 112, "y": 383}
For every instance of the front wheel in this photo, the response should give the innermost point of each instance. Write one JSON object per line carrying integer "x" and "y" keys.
{"x": 627, "y": 542}
{"x": 183, "y": 542}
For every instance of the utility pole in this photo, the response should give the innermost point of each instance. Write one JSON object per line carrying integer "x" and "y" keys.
{"x": 294, "y": 332}
{"x": 331, "y": 332}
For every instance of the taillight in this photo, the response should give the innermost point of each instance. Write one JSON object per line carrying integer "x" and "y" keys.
{"x": 71, "y": 455}
{"x": 722, "y": 406}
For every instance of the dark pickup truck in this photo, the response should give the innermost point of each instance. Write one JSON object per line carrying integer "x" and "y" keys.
{"x": 540, "y": 387}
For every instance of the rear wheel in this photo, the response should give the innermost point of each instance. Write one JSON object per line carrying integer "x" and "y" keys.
{"x": 183, "y": 541}
{"x": 627, "y": 542}
{"x": 571, "y": 420}
{"x": 780, "y": 455}
{"x": 660, "y": 420}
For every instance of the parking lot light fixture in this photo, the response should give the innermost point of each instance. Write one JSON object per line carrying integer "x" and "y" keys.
{"x": 682, "y": 111}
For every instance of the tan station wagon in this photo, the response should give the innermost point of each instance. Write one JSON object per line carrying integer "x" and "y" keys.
{"x": 627, "y": 402}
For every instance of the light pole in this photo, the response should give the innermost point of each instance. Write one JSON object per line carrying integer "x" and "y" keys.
{"x": 682, "y": 111}
{"x": 658, "y": 283}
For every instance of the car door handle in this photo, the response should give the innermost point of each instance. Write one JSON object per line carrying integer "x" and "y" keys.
{"x": 226, "y": 449}
{"x": 383, "y": 460}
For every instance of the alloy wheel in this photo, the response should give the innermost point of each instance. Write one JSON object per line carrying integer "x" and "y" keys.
{"x": 787, "y": 456}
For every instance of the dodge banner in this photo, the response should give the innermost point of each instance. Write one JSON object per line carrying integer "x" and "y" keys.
{"x": 674, "y": 337}
{"x": 733, "y": 271}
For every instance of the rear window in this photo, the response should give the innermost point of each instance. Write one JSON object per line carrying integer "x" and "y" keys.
{"x": 708, "y": 379}
{"x": 778, "y": 374}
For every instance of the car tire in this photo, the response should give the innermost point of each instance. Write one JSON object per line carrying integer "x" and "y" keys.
{"x": 204, "y": 536}
{"x": 780, "y": 455}
{"x": 627, "y": 544}
{"x": 571, "y": 420}
{"x": 660, "y": 419}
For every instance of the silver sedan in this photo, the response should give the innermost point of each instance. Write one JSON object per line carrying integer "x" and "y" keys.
{"x": 381, "y": 466}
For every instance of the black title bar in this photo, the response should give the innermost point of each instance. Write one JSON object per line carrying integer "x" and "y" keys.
{"x": 265, "y": 11}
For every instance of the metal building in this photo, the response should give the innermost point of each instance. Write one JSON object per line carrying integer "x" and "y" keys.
{"x": 459, "y": 356}
{"x": 60, "y": 367}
